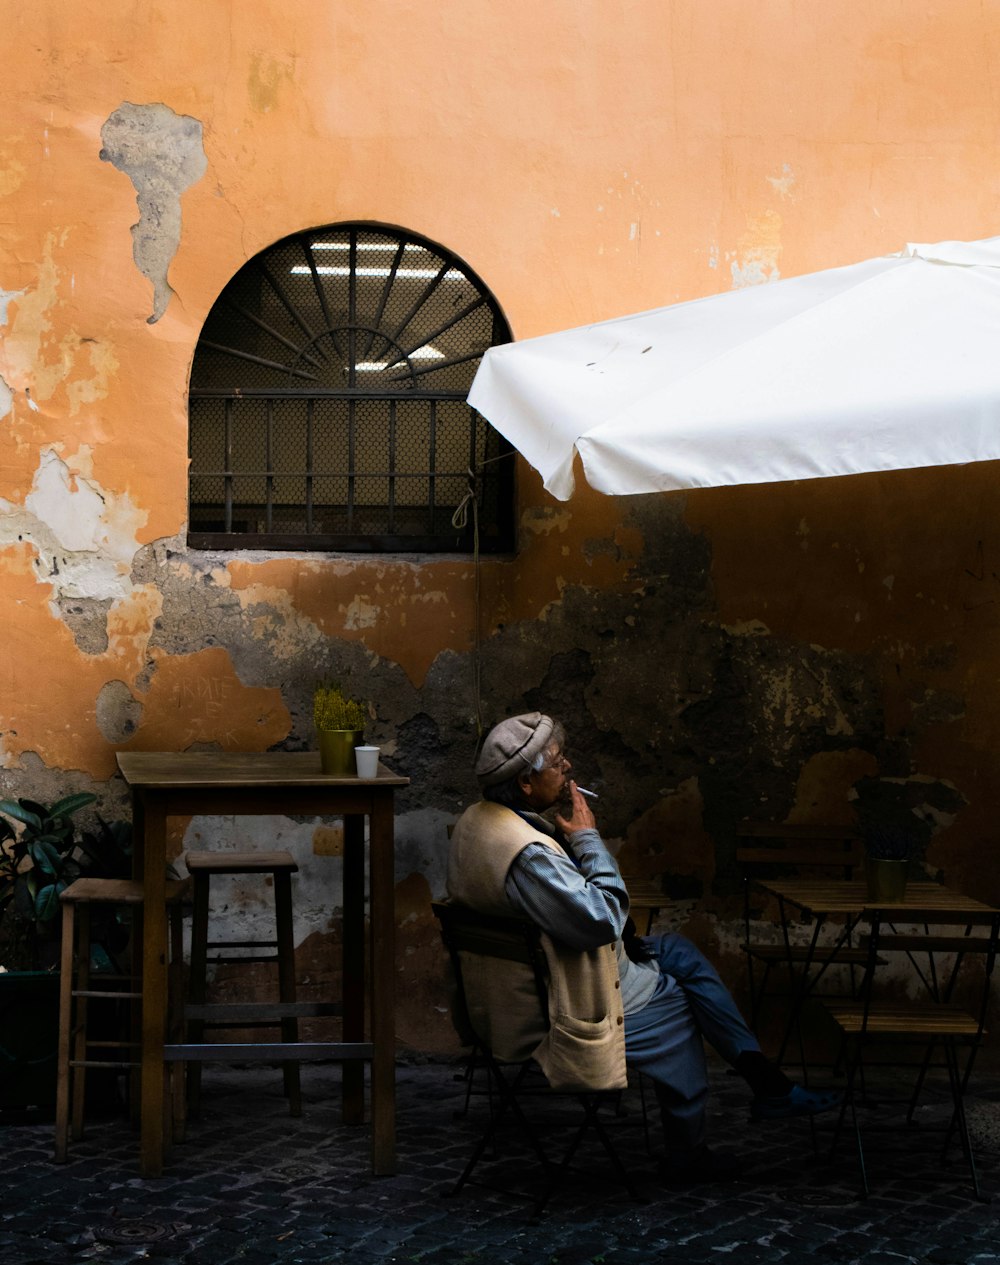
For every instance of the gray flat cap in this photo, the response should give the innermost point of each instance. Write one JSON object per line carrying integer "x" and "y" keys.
{"x": 511, "y": 746}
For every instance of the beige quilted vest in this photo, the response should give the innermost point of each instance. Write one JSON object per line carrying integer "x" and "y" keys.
{"x": 583, "y": 1046}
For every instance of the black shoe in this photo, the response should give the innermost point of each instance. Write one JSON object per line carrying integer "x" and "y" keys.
{"x": 701, "y": 1167}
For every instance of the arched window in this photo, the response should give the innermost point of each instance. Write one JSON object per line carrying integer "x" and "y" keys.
{"x": 327, "y": 401}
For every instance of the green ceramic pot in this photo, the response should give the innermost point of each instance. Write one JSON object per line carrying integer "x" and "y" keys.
{"x": 886, "y": 879}
{"x": 336, "y": 750}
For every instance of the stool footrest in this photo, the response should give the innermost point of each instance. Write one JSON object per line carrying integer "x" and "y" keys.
{"x": 247, "y": 1012}
{"x": 103, "y": 1063}
{"x": 242, "y": 944}
{"x": 243, "y": 957}
{"x": 117, "y": 993}
{"x": 282, "y": 1052}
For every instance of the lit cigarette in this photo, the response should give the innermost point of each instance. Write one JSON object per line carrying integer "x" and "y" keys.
{"x": 589, "y": 794}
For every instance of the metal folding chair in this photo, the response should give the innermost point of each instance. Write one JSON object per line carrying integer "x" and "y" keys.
{"x": 513, "y": 1091}
{"x": 933, "y": 1027}
{"x": 767, "y": 850}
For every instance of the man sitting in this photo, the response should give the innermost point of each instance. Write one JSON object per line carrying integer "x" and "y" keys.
{"x": 614, "y": 997}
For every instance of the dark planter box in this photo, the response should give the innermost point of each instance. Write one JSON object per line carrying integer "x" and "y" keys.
{"x": 29, "y": 1037}
{"x": 29, "y": 1045}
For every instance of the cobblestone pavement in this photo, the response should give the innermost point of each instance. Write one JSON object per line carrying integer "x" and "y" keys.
{"x": 251, "y": 1185}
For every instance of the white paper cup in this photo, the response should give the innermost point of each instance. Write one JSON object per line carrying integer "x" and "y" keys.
{"x": 367, "y": 761}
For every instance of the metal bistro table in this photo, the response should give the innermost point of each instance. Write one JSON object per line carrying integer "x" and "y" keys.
{"x": 924, "y": 903}
{"x": 170, "y": 784}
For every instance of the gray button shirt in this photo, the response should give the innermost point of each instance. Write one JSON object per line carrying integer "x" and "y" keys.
{"x": 582, "y": 905}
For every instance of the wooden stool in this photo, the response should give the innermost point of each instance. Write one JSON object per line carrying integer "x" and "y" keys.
{"x": 77, "y": 1053}
{"x": 200, "y": 1015}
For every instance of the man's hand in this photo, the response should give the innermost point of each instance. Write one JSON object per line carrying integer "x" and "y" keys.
{"x": 580, "y": 817}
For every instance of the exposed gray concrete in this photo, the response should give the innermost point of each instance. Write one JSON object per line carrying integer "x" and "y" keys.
{"x": 162, "y": 154}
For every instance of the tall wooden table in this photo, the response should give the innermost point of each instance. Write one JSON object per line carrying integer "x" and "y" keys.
{"x": 169, "y": 784}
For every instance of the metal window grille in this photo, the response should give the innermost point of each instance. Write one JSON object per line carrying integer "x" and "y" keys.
{"x": 328, "y": 402}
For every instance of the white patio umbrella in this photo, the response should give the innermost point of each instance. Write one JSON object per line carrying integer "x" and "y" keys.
{"x": 888, "y": 364}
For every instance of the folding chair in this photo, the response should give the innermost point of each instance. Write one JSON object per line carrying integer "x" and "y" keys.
{"x": 470, "y": 938}
{"x": 935, "y": 1026}
{"x": 768, "y": 850}
{"x": 645, "y": 900}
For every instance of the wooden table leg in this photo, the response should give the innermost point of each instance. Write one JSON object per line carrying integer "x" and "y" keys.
{"x": 353, "y": 960}
{"x": 382, "y": 986}
{"x": 153, "y": 842}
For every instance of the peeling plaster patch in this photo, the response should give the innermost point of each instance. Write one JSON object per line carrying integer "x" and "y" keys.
{"x": 788, "y": 699}
{"x": 6, "y": 398}
{"x": 542, "y": 520}
{"x": 59, "y": 721}
{"x": 747, "y": 628}
{"x": 162, "y": 154}
{"x": 71, "y": 507}
{"x": 84, "y": 537}
{"x": 87, "y": 620}
{"x": 6, "y": 298}
{"x": 757, "y": 255}
{"x": 360, "y": 614}
{"x": 118, "y": 712}
{"x": 785, "y": 183}
{"x": 104, "y": 363}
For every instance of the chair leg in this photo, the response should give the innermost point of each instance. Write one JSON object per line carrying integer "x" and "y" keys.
{"x": 852, "y": 1063}
{"x": 175, "y": 1011}
{"x": 468, "y": 1075}
{"x": 505, "y": 1102}
{"x": 645, "y": 1114}
{"x": 591, "y": 1104}
{"x": 921, "y": 1077}
{"x": 197, "y": 984}
{"x": 65, "y": 1034}
{"x": 955, "y": 1080}
{"x": 285, "y": 937}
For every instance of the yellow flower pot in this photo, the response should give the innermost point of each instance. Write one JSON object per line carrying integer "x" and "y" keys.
{"x": 336, "y": 751}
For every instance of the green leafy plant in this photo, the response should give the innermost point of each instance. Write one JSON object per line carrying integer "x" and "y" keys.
{"x": 41, "y": 853}
{"x": 333, "y": 710}
{"x": 38, "y": 860}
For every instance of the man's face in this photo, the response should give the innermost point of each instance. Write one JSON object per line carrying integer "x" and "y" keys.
{"x": 550, "y": 785}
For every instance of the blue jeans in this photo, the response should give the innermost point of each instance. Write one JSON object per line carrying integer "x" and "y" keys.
{"x": 664, "y": 1039}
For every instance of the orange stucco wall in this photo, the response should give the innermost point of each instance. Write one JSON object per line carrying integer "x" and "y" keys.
{"x": 586, "y": 160}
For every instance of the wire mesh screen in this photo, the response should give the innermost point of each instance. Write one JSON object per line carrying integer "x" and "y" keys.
{"x": 327, "y": 403}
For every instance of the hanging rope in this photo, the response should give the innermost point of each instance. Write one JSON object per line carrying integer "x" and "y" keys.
{"x": 460, "y": 520}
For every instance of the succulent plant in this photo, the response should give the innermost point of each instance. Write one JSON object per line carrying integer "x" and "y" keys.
{"x": 333, "y": 710}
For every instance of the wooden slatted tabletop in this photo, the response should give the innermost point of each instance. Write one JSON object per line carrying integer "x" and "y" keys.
{"x": 922, "y": 902}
